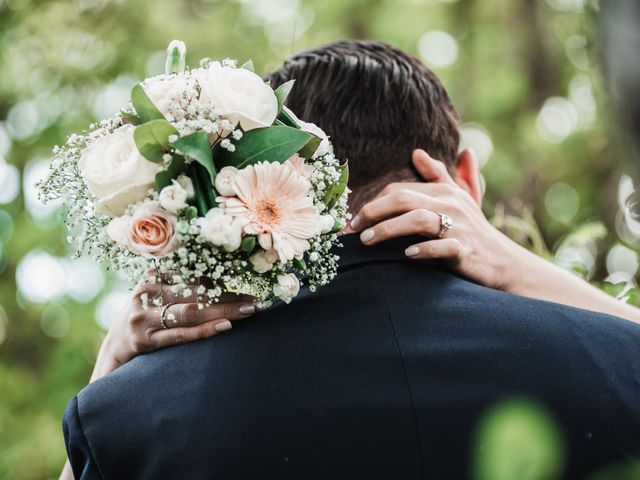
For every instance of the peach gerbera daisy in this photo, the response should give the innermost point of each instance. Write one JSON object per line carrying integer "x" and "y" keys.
{"x": 274, "y": 199}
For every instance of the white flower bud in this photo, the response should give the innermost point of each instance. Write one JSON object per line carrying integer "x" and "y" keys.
{"x": 173, "y": 197}
{"x": 224, "y": 181}
{"x": 287, "y": 287}
{"x": 186, "y": 183}
{"x": 221, "y": 229}
{"x": 263, "y": 260}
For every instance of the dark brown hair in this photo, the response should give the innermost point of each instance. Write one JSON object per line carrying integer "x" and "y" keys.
{"x": 377, "y": 103}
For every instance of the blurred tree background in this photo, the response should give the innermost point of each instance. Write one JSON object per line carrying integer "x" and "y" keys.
{"x": 523, "y": 73}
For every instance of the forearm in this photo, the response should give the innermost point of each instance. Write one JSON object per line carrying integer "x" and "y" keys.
{"x": 106, "y": 362}
{"x": 537, "y": 278}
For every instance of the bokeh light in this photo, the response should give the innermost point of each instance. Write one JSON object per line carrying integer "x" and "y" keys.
{"x": 9, "y": 182}
{"x": 477, "y": 137}
{"x": 557, "y": 119}
{"x": 54, "y": 321}
{"x": 562, "y": 202}
{"x": 34, "y": 171}
{"x": 622, "y": 260}
{"x": 110, "y": 306}
{"x": 40, "y": 277}
{"x": 438, "y": 49}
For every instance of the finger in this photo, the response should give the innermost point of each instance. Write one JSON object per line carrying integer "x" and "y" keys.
{"x": 420, "y": 221}
{"x": 191, "y": 314}
{"x": 178, "y": 335}
{"x": 446, "y": 248}
{"x": 430, "y": 169}
{"x": 394, "y": 203}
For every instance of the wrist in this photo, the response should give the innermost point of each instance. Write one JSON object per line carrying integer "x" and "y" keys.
{"x": 512, "y": 261}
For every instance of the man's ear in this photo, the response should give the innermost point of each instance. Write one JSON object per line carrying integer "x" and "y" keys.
{"x": 468, "y": 174}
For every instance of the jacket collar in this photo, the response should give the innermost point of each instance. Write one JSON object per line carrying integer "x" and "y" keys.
{"x": 354, "y": 252}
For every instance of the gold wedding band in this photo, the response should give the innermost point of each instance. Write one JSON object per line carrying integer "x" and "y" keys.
{"x": 163, "y": 316}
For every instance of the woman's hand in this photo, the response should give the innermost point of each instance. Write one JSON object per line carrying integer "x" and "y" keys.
{"x": 138, "y": 330}
{"x": 473, "y": 247}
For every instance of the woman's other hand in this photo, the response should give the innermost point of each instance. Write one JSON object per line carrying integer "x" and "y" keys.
{"x": 139, "y": 330}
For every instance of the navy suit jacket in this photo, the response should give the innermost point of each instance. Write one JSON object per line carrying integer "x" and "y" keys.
{"x": 383, "y": 374}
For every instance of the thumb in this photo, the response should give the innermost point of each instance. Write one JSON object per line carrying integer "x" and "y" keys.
{"x": 430, "y": 169}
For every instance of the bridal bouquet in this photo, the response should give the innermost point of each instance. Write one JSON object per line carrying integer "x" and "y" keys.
{"x": 205, "y": 175}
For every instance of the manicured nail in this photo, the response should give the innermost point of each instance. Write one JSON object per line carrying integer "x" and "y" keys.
{"x": 247, "y": 309}
{"x": 412, "y": 251}
{"x": 367, "y": 235}
{"x": 223, "y": 326}
{"x": 355, "y": 222}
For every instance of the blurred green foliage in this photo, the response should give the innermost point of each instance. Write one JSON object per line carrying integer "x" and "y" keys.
{"x": 523, "y": 74}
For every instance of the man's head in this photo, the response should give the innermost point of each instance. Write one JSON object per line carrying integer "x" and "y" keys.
{"x": 378, "y": 104}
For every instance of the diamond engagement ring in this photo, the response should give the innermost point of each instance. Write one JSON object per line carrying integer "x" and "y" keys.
{"x": 446, "y": 224}
{"x": 163, "y": 315}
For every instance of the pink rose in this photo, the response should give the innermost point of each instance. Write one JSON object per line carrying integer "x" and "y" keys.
{"x": 150, "y": 231}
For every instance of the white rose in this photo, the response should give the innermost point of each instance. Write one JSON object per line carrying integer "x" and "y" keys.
{"x": 287, "y": 287}
{"x": 221, "y": 229}
{"x": 239, "y": 95}
{"x": 163, "y": 89}
{"x": 173, "y": 198}
{"x": 186, "y": 183}
{"x": 263, "y": 260}
{"x": 224, "y": 181}
{"x": 326, "y": 223}
{"x": 325, "y": 146}
{"x": 115, "y": 172}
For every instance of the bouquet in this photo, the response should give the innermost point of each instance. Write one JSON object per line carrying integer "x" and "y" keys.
{"x": 205, "y": 180}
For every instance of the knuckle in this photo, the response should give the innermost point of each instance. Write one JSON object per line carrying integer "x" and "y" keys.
{"x": 138, "y": 344}
{"x": 424, "y": 219}
{"x": 188, "y": 312}
{"x": 178, "y": 336}
{"x": 367, "y": 211}
{"x": 404, "y": 198}
{"x": 229, "y": 310}
{"x": 135, "y": 318}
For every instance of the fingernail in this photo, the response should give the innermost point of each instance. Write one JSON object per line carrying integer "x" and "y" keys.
{"x": 355, "y": 221}
{"x": 223, "y": 326}
{"x": 367, "y": 235}
{"x": 247, "y": 309}
{"x": 412, "y": 251}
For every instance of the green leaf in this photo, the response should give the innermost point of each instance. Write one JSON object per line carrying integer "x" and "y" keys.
{"x": 288, "y": 118}
{"x": 176, "y": 167}
{"x": 300, "y": 264}
{"x": 152, "y": 139}
{"x": 282, "y": 92}
{"x": 272, "y": 144}
{"x": 145, "y": 108}
{"x": 131, "y": 118}
{"x": 196, "y": 145}
{"x": 336, "y": 190}
{"x": 310, "y": 148}
{"x": 248, "y": 244}
{"x": 201, "y": 187}
{"x": 248, "y": 65}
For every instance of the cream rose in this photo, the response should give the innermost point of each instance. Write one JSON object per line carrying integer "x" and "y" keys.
{"x": 150, "y": 231}
{"x": 163, "y": 89}
{"x": 239, "y": 95}
{"x": 287, "y": 287}
{"x": 115, "y": 172}
{"x": 221, "y": 229}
